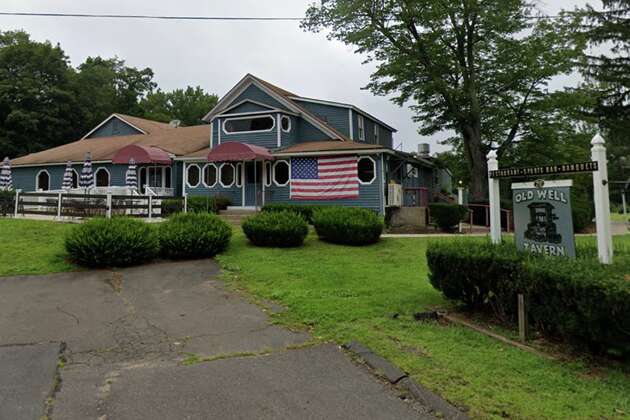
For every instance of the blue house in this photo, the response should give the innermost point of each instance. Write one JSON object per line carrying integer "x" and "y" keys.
{"x": 261, "y": 145}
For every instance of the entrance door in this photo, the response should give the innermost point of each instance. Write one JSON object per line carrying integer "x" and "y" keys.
{"x": 253, "y": 183}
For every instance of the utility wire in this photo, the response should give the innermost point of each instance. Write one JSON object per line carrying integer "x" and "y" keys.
{"x": 166, "y": 17}
{"x": 116, "y": 16}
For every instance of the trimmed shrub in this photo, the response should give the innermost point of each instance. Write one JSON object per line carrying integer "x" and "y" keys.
{"x": 577, "y": 300}
{"x": 200, "y": 235}
{"x": 172, "y": 206}
{"x": 582, "y": 212}
{"x": 7, "y": 202}
{"x": 348, "y": 225}
{"x": 201, "y": 204}
{"x": 447, "y": 216}
{"x": 276, "y": 229}
{"x": 116, "y": 242}
{"x": 305, "y": 211}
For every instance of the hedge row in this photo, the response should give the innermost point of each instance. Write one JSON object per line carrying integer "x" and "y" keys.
{"x": 577, "y": 300}
{"x": 276, "y": 229}
{"x": 348, "y": 225}
{"x": 196, "y": 204}
{"x": 123, "y": 241}
{"x": 305, "y": 211}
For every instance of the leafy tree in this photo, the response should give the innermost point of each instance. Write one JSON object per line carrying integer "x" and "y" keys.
{"x": 608, "y": 79}
{"x": 36, "y": 97}
{"x": 105, "y": 86}
{"x": 478, "y": 67}
{"x": 187, "y": 105}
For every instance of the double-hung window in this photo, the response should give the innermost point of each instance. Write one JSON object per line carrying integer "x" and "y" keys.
{"x": 361, "y": 125}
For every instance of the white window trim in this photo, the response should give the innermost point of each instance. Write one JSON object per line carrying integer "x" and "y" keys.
{"x": 268, "y": 179}
{"x": 78, "y": 178}
{"x": 288, "y": 130}
{"x": 221, "y": 178}
{"x": 238, "y": 168}
{"x": 200, "y": 175}
{"x": 37, "y": 186}
{"x": 375, "y": 170}
{"x": 203, "y": 175}
{"x": 273, "y": 173}
{"x": 377, "y": 134}
{"x": 361, "y": 127}
{"x": 273, "y": 125}
{"x": 109, "y": 177}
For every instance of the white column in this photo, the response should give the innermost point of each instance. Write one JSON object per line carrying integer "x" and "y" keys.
{"x": 59, "y": 198}
{"x": 243, "y": 183}
{"x": 185, "y": 203}
{"x": 264, "y": 181}
{"x": 150, "y": 207}
{"x": 109, "y": 205}
{"x": 460, "y": 200}
{"x": 602, "y": 201}
{"x": 495, "y": 199}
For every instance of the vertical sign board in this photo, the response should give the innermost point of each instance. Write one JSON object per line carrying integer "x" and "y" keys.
{"x": 542, "y": 218}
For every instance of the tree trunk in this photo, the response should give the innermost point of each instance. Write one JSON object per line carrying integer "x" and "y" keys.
{"x": 476, "y": 161}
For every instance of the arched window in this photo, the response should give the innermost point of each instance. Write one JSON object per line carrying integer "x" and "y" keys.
{"x": 226, "y": 176}
{"x": 102, "y": 177}
{"x": 281, "y": 173}
{"x": 193, "y": 175}
{"x": 42, "y": 180}
{"x": 210, "y": 175}
{"x": 267, "y": 171}
{"x": 366, "y": 170}
{"x": 75, "y": 179}
{"x": 286, "y": 123}
{"x": 239, "y": 174}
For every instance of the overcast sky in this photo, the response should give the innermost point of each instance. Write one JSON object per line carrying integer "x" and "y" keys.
{"x": 216, "y": 54}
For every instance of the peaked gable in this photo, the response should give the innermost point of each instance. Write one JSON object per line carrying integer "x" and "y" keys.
{"x": 125, "y": 125}
{"x": 248, "y": 105}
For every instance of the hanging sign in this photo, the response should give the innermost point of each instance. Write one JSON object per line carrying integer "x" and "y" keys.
{"x": 542, "y": 218}
{"x": 564, "y": 168}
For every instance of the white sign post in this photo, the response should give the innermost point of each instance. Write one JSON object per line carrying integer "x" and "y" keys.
{"x": 460, "y": 200}
{"x": 602, "y": 201}
{"x": 495, "y": 200}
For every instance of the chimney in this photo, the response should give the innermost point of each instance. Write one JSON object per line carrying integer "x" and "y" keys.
{"x": 424, "y": 149}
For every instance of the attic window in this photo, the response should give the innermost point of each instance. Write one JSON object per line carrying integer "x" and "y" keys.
{"x": 361, "y": 126}
{"x": 248, "y": 124}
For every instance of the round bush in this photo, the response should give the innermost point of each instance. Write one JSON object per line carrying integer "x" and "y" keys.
{"x": 347, "y": 225}
{"x": 446, "y": 215}
{"x": 116, "y": 242}
{"x": 201, "y": 204}
{"x": 276, "y": 229}
{"x": 191, "y": 235}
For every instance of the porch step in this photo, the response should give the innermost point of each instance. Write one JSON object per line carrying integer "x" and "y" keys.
{"x": 236, "y": 216}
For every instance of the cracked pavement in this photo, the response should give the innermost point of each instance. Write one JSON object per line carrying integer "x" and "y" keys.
{"x": 110, "y": 345}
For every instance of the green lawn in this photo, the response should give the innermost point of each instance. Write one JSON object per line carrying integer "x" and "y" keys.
{"x": 618, "y": 217}
{"x": 345, "y": 293}
{"x": 32, "y": 247}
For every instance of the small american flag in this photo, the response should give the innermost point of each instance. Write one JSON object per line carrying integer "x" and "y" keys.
{"x": 324, "y": 178}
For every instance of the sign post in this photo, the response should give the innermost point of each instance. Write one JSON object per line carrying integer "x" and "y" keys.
{"x": 460, "y": 200}
{"x": 602, "y": 201}
{"x": 494, "y": 198}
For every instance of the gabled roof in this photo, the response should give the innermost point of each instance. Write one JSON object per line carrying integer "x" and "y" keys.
{"x": 176, "y": 141}
{"x": 285, "y": 97}
{"x": 141, "y": 124}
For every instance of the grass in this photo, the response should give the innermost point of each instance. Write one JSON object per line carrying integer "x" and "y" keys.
{"x": 345, "y": 293}
{"x": 32, "y": 247}
{"x": 349, "y": 293}
{"x": 618, "y": 217}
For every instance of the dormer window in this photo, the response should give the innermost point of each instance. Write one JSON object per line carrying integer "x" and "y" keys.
{"x": 361, "y": 125}
{"x": 248, "y": 124}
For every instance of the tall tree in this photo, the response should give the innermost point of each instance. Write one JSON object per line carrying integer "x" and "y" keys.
{"x": 36, "y": 97}
{"x": 186, "y": 105}
{"x": 478, "y": 67}
{"x": 608, "y": 78}
{"x": 105, "y": 86}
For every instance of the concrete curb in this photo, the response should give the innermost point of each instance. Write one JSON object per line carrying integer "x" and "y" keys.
{"x": 397, "y": 377}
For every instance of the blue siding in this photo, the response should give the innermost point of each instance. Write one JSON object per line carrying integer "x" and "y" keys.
{"x": 370, "y": 196}
{"x": 255, "y": 94}
{"x": 385, "y": 135}
{"x": 268, "y": 139}
{"x": 24, "y": 177}
{"x": 248, "y": 107}
{"x": 335, "y": 116}
{"x": 308, "y": 132}
{"x": 234, "y": 193}
{"x": 114, "y": 127}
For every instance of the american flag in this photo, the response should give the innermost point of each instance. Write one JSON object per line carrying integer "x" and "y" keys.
{"x": 324, "y": 178}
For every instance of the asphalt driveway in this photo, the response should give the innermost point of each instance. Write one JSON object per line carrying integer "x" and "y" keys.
{"x": 168, "y": 341}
